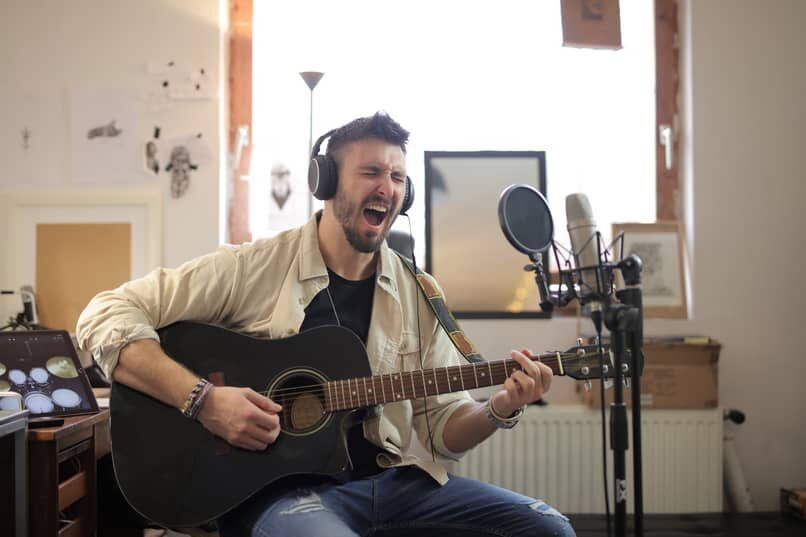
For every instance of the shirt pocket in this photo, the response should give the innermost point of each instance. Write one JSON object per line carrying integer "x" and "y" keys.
{"x": 409, "y": 352}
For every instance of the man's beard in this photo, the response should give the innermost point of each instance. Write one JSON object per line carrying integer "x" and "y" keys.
{"x": 345, "y": 211}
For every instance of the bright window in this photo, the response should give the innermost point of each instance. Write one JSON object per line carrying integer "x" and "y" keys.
{"x": 461, "y": 76}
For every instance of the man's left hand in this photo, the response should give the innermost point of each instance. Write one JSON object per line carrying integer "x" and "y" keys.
{"x": 523, "y": 386}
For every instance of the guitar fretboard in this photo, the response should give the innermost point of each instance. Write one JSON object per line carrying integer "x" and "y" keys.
{"x": 401, "y": 386}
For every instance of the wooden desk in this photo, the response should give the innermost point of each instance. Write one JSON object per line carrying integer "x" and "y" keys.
{"x": 62, "y": 478}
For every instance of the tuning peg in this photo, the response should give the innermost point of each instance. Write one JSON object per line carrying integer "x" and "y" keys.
{"x": 608, "y": 384}
{"x": 579, "y": 341}
{"x": 625, "y": 368}
{"x": 606, "y": 368}
{"x": 587, "y": 385}
{"x": 626, "y": 382}
{"x": 585, "y": 370}
{"x": 580, "y": 351}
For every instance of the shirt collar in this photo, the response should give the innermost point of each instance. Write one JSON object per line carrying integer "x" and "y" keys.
{"x": 312, "y": 264}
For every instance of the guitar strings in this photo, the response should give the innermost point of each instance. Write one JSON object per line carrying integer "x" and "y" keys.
{"x": 466, "y": 373}
{"x": 495, "y": 366}
{"x": 470, "y": 373}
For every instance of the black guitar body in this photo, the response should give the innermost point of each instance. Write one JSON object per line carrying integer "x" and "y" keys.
{"x": 176, "y": 473}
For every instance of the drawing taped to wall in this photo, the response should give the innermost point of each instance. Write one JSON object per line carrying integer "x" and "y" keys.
{"x": 151, "y": 153}
{"x": 186, "y": 156}
{"x": 31, "y": 136}
{"x": 104, "y": 124}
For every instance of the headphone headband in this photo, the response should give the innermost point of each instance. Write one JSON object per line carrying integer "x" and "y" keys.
{"x": 318, "y": 144}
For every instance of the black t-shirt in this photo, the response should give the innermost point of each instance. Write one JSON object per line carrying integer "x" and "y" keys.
{"x": 352, "y": 301}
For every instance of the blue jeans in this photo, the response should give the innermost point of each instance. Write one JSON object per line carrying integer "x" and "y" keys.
{"x": 397, "y": 501}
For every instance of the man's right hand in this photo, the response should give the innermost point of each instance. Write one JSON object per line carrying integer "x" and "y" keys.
{"x": 241, "y": 416}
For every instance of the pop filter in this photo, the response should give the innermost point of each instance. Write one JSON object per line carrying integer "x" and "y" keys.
{"x": 525, "y": 219}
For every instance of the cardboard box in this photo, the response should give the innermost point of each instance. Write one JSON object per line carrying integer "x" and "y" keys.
{"x": 793, "y": 502}
{"x": 676, "y": 375}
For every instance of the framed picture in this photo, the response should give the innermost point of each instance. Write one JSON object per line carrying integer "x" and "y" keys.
{"x": 466, "y": 251}
{"x": 660, "y": 247}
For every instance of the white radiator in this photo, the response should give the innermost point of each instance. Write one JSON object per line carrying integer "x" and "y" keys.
{"x": 555, "y": 454}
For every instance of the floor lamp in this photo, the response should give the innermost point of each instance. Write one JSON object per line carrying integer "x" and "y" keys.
{"x": 311, "y": 79}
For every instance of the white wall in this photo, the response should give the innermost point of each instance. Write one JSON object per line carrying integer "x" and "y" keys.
{"x": 80, "y": 44}
{"x": 747, "y": 86}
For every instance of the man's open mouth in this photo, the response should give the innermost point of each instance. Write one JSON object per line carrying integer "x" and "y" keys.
{"x": 375, "y": 213}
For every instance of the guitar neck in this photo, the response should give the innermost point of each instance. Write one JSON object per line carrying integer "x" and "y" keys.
{"x": 401, "y": 386}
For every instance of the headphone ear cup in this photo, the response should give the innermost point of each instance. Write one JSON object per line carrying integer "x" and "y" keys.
{"x": 322, "y": 177}
{"x": 408, "y": 196}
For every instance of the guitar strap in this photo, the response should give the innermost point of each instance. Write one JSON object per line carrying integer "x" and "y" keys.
{"x": 431, "y": 291}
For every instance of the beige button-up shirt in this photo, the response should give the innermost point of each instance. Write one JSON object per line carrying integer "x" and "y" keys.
{"x": 262, "y": 289}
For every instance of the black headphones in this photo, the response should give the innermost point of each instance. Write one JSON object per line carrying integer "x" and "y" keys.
{"x": 323, "y": 178}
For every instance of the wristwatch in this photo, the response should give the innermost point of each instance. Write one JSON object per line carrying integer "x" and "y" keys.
{"x": 502, "y": 422}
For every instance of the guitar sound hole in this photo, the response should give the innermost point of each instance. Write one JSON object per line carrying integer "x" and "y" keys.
{"x": 303, "y": 402}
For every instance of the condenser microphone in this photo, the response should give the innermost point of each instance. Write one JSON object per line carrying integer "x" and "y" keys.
{"x": 585, "y": 246}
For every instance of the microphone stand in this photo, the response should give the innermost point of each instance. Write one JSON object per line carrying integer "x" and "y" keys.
{"x": 632, "y": 296}
{"x": 625, "y": 322}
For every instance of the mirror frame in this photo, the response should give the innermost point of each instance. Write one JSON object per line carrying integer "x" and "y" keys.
{"x": 431, "y": 183}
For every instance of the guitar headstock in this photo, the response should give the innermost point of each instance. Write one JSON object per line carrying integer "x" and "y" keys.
{"x": 582, "y": 363}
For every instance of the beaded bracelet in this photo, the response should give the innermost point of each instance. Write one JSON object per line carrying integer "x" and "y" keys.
{"x": 501, "y": 422}
{"x": 193, "y": 402}
{"x": 197, "y": 404}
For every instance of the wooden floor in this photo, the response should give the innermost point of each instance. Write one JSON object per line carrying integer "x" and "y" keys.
{"x": 691, "y": 525}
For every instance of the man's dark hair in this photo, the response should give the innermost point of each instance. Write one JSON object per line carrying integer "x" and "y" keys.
{"x": 379, "y": 126}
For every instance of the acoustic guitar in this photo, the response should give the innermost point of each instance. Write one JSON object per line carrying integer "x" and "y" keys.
{"x": 175, "y": 472}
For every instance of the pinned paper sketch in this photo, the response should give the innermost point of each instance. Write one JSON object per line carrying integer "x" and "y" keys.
{"x": 152, "y": 159}
{"x": 186, "y": 155}
{"x": 193, "y": 84}
{"x": 104, "y": 136}
{"x": 104, "y": 131}
{"x": 151, "y": 153}
{"x": 31, "y": 136}
{"x": 180, "y": 167}
{"x": 175, "y": 80}
{"x": 278, "y": 193}
{"x": 280, "y": 184}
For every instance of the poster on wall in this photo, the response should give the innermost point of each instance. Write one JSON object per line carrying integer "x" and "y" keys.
{"x": 279, "y": 198}
{"x": 177, "y": 160}
{"x": 105, "y": 136}
{"x": 31, "y": 136}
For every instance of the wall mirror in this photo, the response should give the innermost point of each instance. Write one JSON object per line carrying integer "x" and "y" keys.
{"x": 481, "y": 273}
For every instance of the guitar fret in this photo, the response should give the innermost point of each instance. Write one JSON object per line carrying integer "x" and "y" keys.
{"x": 352, "y": 394}
{"x": 448, "y": 378}
{"x": 343, "y": 403}
{"x": 490, "y": 369}
{"x": 436, "y": 382}
{"x": 398, "y": 396}
{"x": 462, "y": 376}
{"x": 366, "y": 393}
{"x": 476, "y": 375}
{"x": 383, "y": 390}
{"x": 413, "y": 387}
